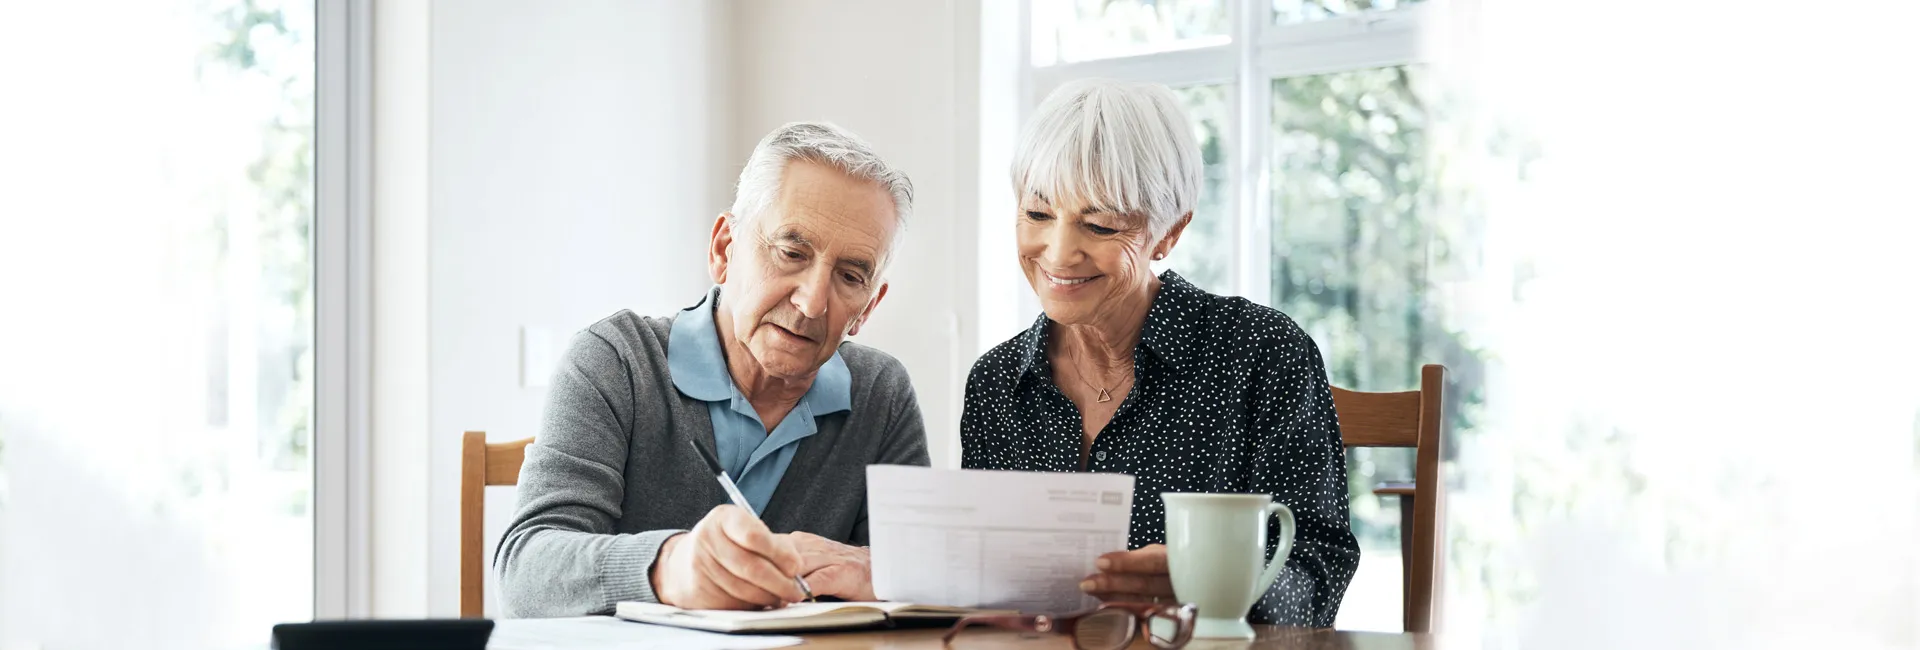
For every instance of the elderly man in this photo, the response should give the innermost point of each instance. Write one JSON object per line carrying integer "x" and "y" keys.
{"x": 616, "y": 505}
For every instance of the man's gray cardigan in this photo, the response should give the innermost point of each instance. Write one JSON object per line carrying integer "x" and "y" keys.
{"x": 610, "y": 476}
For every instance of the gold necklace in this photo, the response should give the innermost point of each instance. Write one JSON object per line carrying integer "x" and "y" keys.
{"x": 1106, "y": 395}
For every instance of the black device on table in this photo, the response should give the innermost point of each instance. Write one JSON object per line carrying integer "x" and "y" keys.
{"x": 432, "y": 634}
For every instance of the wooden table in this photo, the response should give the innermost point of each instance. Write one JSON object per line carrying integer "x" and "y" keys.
{"x": 1272, "y": 637}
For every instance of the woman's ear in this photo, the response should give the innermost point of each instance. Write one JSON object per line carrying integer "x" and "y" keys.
{"x": 720, "y": 249}
{"x": 1164, "y": 247}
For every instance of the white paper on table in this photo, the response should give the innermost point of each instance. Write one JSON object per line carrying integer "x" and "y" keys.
{"x": 993, "y": 539}
{"x": 609, "y": 633}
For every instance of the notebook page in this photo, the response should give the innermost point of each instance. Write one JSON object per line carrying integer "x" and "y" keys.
{"x": 794, "y": 611}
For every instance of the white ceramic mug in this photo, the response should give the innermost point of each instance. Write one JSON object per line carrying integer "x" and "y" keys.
{"x": 1215, "y": 543}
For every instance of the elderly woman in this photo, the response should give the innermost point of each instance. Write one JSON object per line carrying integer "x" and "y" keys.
{"x": 1150, "y": 376}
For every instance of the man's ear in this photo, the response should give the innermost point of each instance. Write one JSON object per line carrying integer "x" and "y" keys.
{"x": 1165, "y": 247}
{"x": 868, "y": 312}
{"x": 720, "y": 249}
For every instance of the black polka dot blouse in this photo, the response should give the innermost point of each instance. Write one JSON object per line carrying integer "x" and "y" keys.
{"x": 1228, "y": 396}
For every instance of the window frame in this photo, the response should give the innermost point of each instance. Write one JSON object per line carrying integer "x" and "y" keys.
{"x": 342, "y": 249}
{"x": 1259, "y": 53}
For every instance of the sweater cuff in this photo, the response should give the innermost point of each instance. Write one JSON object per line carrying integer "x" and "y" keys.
{"x": 625, "y": 570}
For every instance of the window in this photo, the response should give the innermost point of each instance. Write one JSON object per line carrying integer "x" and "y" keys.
{"x": 1070, "y": 32}
{"x": 1313, "y": 117}
{"x": 1616, "y": 284}
{"x": 157, "y": 281}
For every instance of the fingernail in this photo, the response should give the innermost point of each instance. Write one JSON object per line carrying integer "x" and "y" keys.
{"x": 1103, "y": 564}
{"x": 1086, "y": 585}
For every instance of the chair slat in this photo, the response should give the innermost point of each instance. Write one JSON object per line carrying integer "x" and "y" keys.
{"x": 1407, "y": 419}
{"x": 504, "y": 460}
{"x": 1378, "y": 419}
{"x": 481, "y": 464}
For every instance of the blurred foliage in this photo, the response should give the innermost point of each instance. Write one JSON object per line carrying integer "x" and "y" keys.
{"x": 270, "y": 43}
{"x": 1204, "y": 253}
{"x": 1361, "y": 228}
{"x": 1297, "y": 11}
{"x": 235, "y": 46}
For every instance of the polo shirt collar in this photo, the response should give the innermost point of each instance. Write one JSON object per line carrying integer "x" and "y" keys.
{"x": 698, "y": 364}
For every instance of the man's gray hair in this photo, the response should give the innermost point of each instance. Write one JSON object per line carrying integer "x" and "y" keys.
{"x": 1111, "y": 145}
{"x": 818, "y": 142}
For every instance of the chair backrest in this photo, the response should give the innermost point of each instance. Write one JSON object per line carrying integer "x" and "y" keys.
{"x": 481, "y": 464}
{"x": 1408, "y": 419}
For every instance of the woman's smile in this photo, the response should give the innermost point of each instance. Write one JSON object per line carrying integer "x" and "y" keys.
{"x": 1067, "y": 283}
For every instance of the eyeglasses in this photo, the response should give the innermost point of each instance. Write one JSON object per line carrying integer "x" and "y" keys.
{"x": 1111, "y": 626}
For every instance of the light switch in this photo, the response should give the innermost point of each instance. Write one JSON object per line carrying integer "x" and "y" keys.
{"x": 536, "y": 356}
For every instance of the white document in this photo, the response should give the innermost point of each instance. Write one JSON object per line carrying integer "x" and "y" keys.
{"x": 609, "y": 633}
{"x": 1004, "y": 540}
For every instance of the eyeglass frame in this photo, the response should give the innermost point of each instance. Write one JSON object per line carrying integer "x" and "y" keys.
{"x": 1182, "y": 614}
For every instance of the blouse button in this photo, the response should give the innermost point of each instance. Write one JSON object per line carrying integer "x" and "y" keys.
{"x": 1100, "y": 455}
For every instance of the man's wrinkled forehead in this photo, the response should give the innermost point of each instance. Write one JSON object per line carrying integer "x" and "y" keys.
{"x": 832, "y": 211}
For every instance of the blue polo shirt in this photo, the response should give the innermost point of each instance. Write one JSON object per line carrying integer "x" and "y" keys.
{"x": 754, "y": 458}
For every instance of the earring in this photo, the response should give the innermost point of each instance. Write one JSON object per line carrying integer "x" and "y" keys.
{"x": 1159, "y": 256}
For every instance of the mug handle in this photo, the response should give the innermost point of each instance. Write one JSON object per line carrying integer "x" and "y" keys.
{"x": 1279, "y": 561}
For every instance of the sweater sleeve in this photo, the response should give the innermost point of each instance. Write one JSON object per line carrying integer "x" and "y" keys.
{"x": 906, "y": 435}
{"x": 560, "y": 555}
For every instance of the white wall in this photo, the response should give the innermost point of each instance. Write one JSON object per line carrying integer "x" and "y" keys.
{"x": 902, "y": 75}
{"x": 573, "y": 174}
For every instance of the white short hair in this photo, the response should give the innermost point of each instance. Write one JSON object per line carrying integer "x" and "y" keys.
{"x": 823, "y": 143}
{"x": 1111, "y": 145}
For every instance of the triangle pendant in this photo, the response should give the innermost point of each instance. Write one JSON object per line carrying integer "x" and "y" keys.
{"x": 1105, "y": 396}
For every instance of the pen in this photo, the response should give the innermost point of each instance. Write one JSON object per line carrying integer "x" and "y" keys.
{"x": 739, "y": 500}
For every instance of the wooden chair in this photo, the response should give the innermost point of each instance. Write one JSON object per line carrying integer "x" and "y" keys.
{"x": 481, "y": 464}
{"x": 1407, "y": 419}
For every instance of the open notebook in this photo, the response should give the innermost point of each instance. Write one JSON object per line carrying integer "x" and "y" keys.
{"x": 793, "y": 618}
